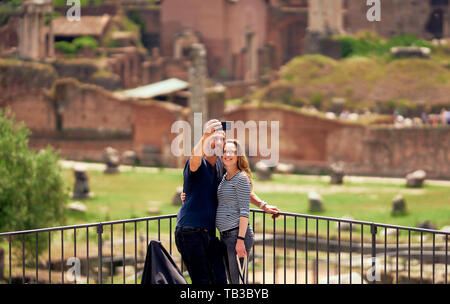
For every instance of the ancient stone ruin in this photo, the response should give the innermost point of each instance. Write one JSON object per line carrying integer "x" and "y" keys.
{"x": 427, "y": 225}
{"x": 285, "y": 168}
{"x": 81, "y": 188}
{"x": 416, "y": 179}
{"x": 263, "y": 172}
{"x": 337, "y": 173}
{"x": 176, "y": 200}
{"x": 315, "y": 202}
{"x": 77, "y": 207}
{"x": 345, "y": 226}
{"x": 399, "y": 206}
{"x": 111, "y": 158}
{"x": 411, "y": 51}
{"x": 130, "y": 158}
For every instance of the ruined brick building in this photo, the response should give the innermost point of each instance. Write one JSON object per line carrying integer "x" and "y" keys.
{"x": 243, "y": 39}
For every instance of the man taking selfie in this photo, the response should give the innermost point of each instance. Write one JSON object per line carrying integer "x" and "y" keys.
{"x": 195, "y": 231}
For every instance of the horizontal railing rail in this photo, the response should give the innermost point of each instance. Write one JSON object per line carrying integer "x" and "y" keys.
{"x": 348, "y": 251}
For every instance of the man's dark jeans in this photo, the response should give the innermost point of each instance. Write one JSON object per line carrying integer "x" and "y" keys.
{"x": 202, "y": 253}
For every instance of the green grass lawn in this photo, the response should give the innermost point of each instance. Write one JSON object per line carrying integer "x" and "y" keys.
{"x": 130, "y": 194}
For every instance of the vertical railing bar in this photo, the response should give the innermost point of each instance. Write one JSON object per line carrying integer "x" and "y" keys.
{"x": 75, "y": 248}
{"x": 37, "y": 253}
{"x": 87, "y": 254}
{"x": 328, "y": 251}
{"x": 170, "y": 236}
{"x": 446, "y": 257}
{"x": 100, "y": 253}
{"x": 253, "y": 250}
{"x": 385, "y": 251}
{"x": 62, "y": 255}
{"x": 9, "y": 258}
{"x": 49, "y": 257}
{"x": 421, "y": 257}
{"x": 295, "y": 250}
{"x": 317, "y": 251}
{"x": 159, "y": 230}
{"x": 306, "y": 250}
{"x": 274, "y": 252}
{"x": 396, "y": 259}
{"x": 339, "y": 252}
{"x": 135, "y": 252}
{"x": 351, "y": 251}
{"x": 409, "y": 255}
{"x": 434, "y": 244}
{"x": 123, "y": 252}
{"x": 284, "y": 253}
{"x": 112, "y": 253}
{"x": 264, "y": 248}
{"x": 362, "y": 253}
{"x": 373, "y": 231}
{"x": 23, "y": 258}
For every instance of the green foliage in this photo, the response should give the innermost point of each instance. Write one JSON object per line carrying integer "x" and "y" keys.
{"x": 368, "y": 43}
{"x": 66, "y": 47}
{"x": 361, "y": 81}
{"x": 76, "y": 45}
{"x": 83, "y": 3}
{"x": 32, "y": 192}
{"x": 85, "y": 42}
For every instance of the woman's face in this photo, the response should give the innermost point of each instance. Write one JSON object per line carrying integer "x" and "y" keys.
{"x": 229, "y": 157}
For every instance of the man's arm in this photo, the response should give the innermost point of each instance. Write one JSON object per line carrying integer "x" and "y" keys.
{"x": 198, "y": 152}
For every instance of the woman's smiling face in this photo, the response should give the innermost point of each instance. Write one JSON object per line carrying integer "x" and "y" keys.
{"x": 229, "y": 157}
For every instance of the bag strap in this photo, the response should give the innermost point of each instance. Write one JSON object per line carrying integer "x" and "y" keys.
{"x": 242, "y": 269}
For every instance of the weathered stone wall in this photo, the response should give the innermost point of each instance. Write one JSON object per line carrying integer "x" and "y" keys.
{"x": 313, "y": 143}
{"x": 153, "y": 121}
{"x": 81, "y": 149}
{"x": 286, "y": 31}
{"x": 302, "y": 137}
{"x": 84, "y": 108}
{"x": 222, "y": 27}
{"x": 386, "y": 151}
{"x": 8, "y": 34}
{"x": 397, "y": 17}
{"x": 20, "y": 80}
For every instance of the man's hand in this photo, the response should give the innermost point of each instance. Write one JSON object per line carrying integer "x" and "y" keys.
{"x": 183, "y": 197}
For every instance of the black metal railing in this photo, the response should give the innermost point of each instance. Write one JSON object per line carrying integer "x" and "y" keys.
{"x": 294, "y": 248}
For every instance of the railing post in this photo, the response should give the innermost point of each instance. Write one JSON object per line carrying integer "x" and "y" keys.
{"x": 100, "y": 258}
{"x": 373, "y": 231}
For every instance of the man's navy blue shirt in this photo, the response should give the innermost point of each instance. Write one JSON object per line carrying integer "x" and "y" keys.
{"x": 200, "y": 206}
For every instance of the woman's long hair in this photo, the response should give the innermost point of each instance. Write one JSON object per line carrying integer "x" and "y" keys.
{"x": 242, "y": 161}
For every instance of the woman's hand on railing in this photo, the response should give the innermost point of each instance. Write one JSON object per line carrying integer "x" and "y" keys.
{"x": 272, "y": 210}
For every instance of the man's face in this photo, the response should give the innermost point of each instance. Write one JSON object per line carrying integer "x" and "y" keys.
{"x": 217, "y": 142}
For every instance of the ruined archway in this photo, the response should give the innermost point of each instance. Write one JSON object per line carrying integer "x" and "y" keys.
{"x": 435, "y": 24}
{"x": 183, "y": 42}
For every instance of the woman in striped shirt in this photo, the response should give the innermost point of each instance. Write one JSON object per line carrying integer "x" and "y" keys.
{"x": 234, "y": 207}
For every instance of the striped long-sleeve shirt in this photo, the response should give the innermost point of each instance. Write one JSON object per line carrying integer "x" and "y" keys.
{"x": 234, "y": 201}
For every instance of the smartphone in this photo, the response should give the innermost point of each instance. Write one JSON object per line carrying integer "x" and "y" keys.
{"x": 226, "y": 125}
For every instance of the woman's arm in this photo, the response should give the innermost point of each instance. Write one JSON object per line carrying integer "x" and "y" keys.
{"x": 255, "y": 200}
{"x": 243, "y": 190}
{"x": 240, "y": 245}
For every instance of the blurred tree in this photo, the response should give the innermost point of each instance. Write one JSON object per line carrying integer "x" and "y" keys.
{"x": 32, "y": 193}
